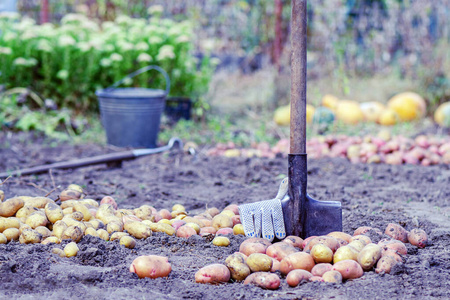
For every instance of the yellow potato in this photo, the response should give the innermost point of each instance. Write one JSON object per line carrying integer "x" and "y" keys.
{"x": 328, "y": 241}
{"x": 138, "y": 230}
{"x": 369, "y": 256}
{"x": 194, "y": 220}
{"x": 30, "y": 236}
{"x": 128, "y": 242}
{"x": 6, "y": 223}
{"x": 36, "y": 219}
{"x": 103, "y": 234}
{"x": 162, "y": 227}
{"x": 38, "y": 202}
{"x": 332, "y": 276}
{"x": 79, "y": 207}
{"x": 345, "y": 253}
{"x": 105, "y": 212}
{"x": 71, "y": 249}
{"x": 321, "y": 253}
{"x": 91, "y": 231}
{"x": 53, "y": 212}
{"x": 358, "y": 245}
{"x": 222, "y": 221}
{"x": 114, "y": 226}
{"x": 89, "y": 202}
{"x": 44, "y": 231}
{"x": 23, "y": 226}
{"x": 195, "y": 226}
{"x": 58, "y": 252}
{"x": 24, "y": 212}
{"x": 363, "y": 238}
{"x": 70, "y": 194}
{"x": 97, "y": 224}
{"x": 2, "y": 196}
{"x": 12, "y": 234}
{"x": 11, "y": 206}
{"x": 145, "y": 212}
{"x": 228, "y": 213}
{"x": 51, "y": 239}
{"x": 72, "y": 232}
{"x": 3, "y": 239}
{"x": 68, "y": 211}
{"x": 72, "y": 222}
{"x": 178, "y": 207}
{"x": 258, "y": 262}
{"x": 238, "y": 229}
{"x": 58, "y": 228}
{"x": 77, "y": 215}
{"x": 239, "y": 270}
{"x": 117, "y": 236}
{"x": 221, "y": 241}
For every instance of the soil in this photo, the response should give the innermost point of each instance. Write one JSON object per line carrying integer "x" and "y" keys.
{"x": 373, "y": 195}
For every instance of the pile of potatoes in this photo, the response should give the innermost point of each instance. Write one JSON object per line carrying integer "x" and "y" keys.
{"x": 334, "y": 257}
{"x": 72, "y": 216}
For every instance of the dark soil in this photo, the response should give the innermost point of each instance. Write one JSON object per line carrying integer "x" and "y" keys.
{"x": 374, "y": 195}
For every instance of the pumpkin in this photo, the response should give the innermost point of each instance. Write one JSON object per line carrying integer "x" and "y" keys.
{"x": 442, "y": 114}
{"x": 409, "y": 106}
{"x": 323, "y": 115}
{"x": 330, "y": 102}
{"x": 282, "y": 115}
{"x": 372, "y": 110}
{"x": 388, "y": 117}
{"x": 349, "y": 112}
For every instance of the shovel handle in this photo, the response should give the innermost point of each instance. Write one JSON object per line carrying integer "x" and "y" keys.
{"x": 298, "y": 78}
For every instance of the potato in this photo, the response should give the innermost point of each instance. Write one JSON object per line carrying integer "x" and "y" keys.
{"x": 328, "y": 241}
{"x": 77, "y": 215}
{"x": 258, "y": 262}
{"x": 214, "y": 273}
{"x": 59, "y": 252}
{"x": 363, "y": 238}
{"x": 239, "y": 270}
{"x": 320, "y": 269}
{"x": 30, "y": 236}
{"x": 358, "y": 245}
{"x": 185, "y": 231}
{"x": 316, "y": 278}
{"x": 275, "y": 265}
{"x": 128, "y": 242}
{"x": 340, "y": 235}
{"x": 23, "y": 226}
{"x": 207, "y": 231}
{"x": 178, "y": 214}
{"x": 70, "y": 194}
{"x": 397, "y": 232}
{"x": 117, "y": 236}
{"x": 193, "y": 225}
{"x": 233, "y": 207}
{"x": 298, "y": 260}
{"x": 68, "y": 203}
{"x": 72, "y": 232}
{"x": 224, "y": 231}
{"x": 349, "y": 269}
{"x": 103, "y": 234}
{"x": 6, "y": 223}
{"x": 307, "y": 240}
{"x": 369, "y": 256}
{"x": 395, "y": 245}
{"x": 44, "y": 231}
{"x": 51, "y": 239}
{"x": 97, "y": 224}
{"x": 178, "y": 223}
{"x": 89, "y": 203}
{"x": 91, "y": 231}
{"x": 138, "y": 230}
{"x": 166, "y": 228}
{"x": 394, "y": 254}
{"x": 236, "y": 220}
{"x": 345, "y": 253}
{"x": 2, "y": 196}
{"x": 254, "y": 245}
{"x": 362, "y": 230}
{"x": 3, "y": 239}
{"x": 280, "y": 250}
{"x": 418, "y": 237}
{"x": 222, "y": 221}
{"x": 385, "y": 264}
{"x": 178, "y": 207}
{"x": 10, "y": 206}
{"x": 213, "y": 211}
{"x": 228, "y": 213}
{"x": 114, "y": 226}
{"x": 104, "y": 212}
{"x": 71, "y": 249}
{"x": 221, "y": 241}
{"x": 79, "y": 207}
{"x": 72, "y": 222}
{"x": 12, "y": 234}
{"x": 294, "y": 241}
{"x": 238, "y": 229}
{"x": 296, "y": 276}
{"x": 264, "y": 280}
{"x": 38, "y": 218}
{"x": 24, "y": 212}
{"x": 321, "y": 254}
{"x": 68, "y": 211}
{"x": 58, "y": 228}
{"x": 165, "y": 214}
{"x": 341, "y": 242}
{"x": 109, "y": 200}
{"x": 53, "y": 212}
{"x": 37, "y": 202}
{"x": 332, "y": 276}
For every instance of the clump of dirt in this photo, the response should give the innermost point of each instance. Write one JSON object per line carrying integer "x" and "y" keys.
{"x": 372, "y": 195}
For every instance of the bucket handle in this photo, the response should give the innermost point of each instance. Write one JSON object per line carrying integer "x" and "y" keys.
{"x": 140, "y": 71}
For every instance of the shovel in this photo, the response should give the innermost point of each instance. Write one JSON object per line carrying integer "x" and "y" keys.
{"x": 99, "y": 159}
{"x": 303, "y": 216}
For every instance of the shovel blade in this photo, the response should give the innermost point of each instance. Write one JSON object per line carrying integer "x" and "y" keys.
{"x": 321, "y": 217}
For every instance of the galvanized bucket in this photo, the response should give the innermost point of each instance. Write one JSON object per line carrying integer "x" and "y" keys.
{"x": 131, "y": 116}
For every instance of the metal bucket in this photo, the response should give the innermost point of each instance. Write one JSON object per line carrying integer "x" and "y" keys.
{"x": 131, "y": 116}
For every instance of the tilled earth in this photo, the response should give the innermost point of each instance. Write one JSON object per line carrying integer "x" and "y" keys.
{"x": 373, "y": 195}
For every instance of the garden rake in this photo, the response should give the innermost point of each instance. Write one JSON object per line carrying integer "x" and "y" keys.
{"x": 293, "y": 211}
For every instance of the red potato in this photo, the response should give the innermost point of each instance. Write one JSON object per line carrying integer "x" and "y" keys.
{"x": 418, "y": 237}
{"x": 275, "y": 265}
{"x": 213, "y": 211}
{"x": 361, "y": 230}
{"x": 215, "y": 273}
{"x": 294, "y": 241}
{"x": 361, "y": 237}
{"x": 394, "y": 245}
{"x": 186, "y": 231}
{"x": 385, "y": 264}
{"x": 280, "y": 250}
{"x": 152, "y": 266}
{"x": 257, "y": 240}
{"x": 298, "y": 260}
{"x": 233, "y": 207}
{"x": 224, "y": 231}
{"x": 341, "y": 242}
{"x": 165, "y": 214}
{"x": 332, "y": 276}
{"x": 397, "y": 232}
{"x": 316, "y": 278}
{"x": 320, "y": 269}
{"x": 349, "y": 269}
{"x": 264, "y": 280}
{"x": 207, "y": 230}
{"x": 328, "y": 241}
{"x": 340, "y": 235}
{"x": 296, "y": 276}
{"x": 109, "y": 200}
{"x": 306, "y": 241}
{"x": 178, "y": 223}
{"x": 250, "y": 248}
{"x": 236, "y": 220}
{"x": 392, "y": 253}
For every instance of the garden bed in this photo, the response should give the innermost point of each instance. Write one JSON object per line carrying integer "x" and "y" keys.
{"x": 372, "y": 195}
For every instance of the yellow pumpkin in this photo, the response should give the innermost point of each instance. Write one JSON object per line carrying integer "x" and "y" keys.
{"x": 442, "y": 114}
{"x": 388, "y": 117}
{"x": 330, "y": 102}
{"x": 349, "y": 112}
{"x": 282, "y": 115}
{"x": 372, "y": 110}
{"x": 409, "y": 106}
